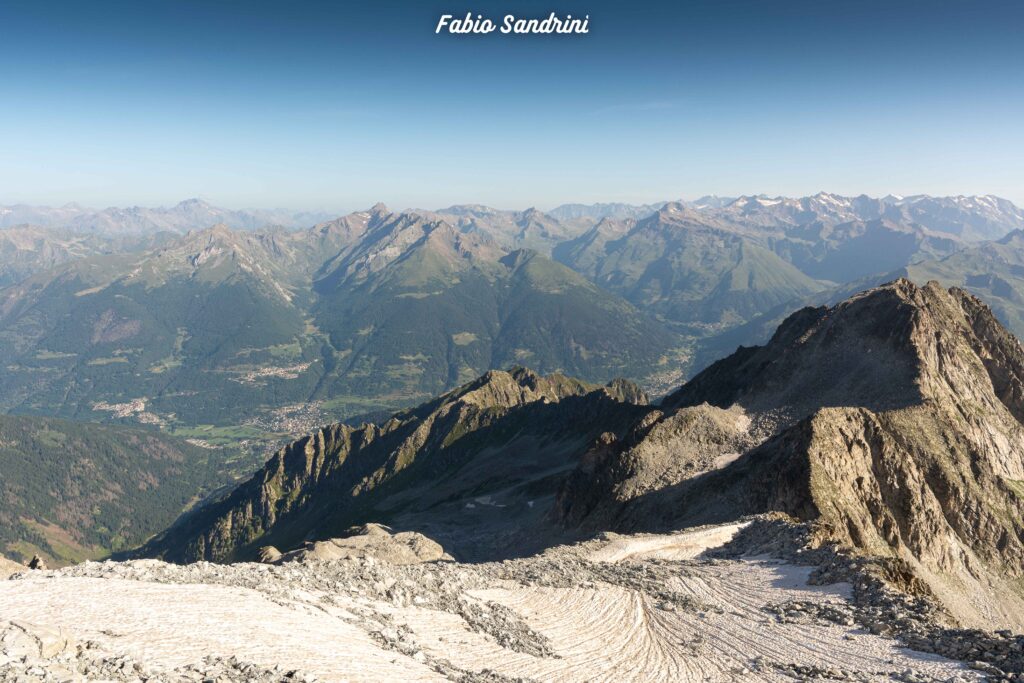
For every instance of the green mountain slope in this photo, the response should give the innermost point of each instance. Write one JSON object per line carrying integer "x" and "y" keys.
{"x": 71, "y": 490}
{"x": 180, "y": 333}
{"x": 675, "y": 264}
{"x": 420, "y": 307}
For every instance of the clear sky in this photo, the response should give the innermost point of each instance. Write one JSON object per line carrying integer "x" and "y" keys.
{"x": 335, "y": 105}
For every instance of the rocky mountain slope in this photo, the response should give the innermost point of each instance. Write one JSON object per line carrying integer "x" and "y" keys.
{"x": 475, "y": 470}
{"x": 73, "y": 491}
{"x": 892, "y": 420}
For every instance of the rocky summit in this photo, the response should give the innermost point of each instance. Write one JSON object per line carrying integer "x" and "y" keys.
{"x": 686, "y": 606}
{"x": 891, "y": 421}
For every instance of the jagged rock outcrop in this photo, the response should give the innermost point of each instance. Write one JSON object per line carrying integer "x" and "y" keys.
{"x": 891, "y": 420}
{"x": 475, "y": 469}
{"x": 374, "y": 541}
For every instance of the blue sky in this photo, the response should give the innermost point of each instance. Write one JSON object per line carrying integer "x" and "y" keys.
{"x": 336, "y": 105}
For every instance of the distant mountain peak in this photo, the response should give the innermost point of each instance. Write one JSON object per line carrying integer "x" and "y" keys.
{"x": 674, "y": 212}
{"x": 192, "y": 203}
{"x": 673, "y": 207}
{"x": 531, "y": 212}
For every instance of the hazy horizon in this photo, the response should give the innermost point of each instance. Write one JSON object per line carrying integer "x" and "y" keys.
{"x": 344, "y": 210}
{"x": 322, "y": 104}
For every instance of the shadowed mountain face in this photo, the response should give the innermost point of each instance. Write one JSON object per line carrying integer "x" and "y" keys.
{"x": 892, "y": 420}
{"x": 475, "y": 469}
{"x": 857, "y": 249}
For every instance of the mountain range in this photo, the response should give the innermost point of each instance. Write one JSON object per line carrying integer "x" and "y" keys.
{"x": 226, "y": 334}
{"x": 238, "y": 329}
{"x": 182, "y": 217}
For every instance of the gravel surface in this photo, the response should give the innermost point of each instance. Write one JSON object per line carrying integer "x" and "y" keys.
{"x": 618, "y": 608}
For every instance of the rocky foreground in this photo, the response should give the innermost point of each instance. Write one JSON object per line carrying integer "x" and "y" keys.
{"x": 735, "y": 602}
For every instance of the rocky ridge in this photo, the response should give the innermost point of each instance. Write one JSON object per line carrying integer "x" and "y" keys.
{"x": 890, "y": 420}
{"x": 468, "y": 469}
